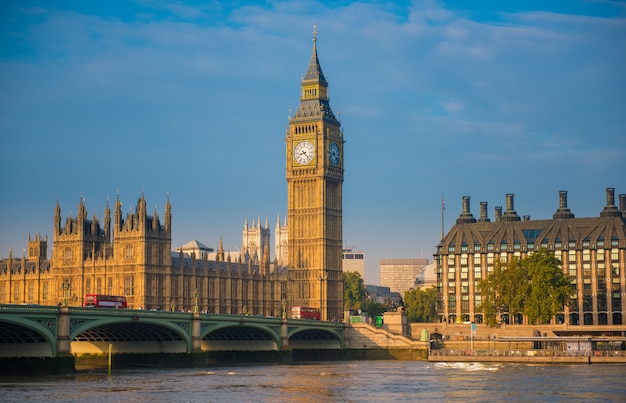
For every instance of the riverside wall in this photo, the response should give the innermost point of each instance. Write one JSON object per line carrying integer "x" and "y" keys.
{"x": 459, "y": 332}
{"x": 362, "y": 335}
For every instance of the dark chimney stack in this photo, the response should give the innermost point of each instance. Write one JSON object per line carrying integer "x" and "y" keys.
{"x": 563, "y": 211}
{"x": 510, "y": 214}
{"x": 483, "y": 212}
{"x": 610, "y": 210}
{"x": 466, "y": 216}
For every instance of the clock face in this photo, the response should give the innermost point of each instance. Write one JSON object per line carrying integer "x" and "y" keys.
{"x": 333, "y": 154}
{"x": 304, "y": 152}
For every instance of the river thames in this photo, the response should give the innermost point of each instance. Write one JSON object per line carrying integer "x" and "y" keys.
{"x": 347, "y": 381}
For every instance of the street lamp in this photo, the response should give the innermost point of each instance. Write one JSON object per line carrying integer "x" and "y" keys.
{"x": 65, "y": 286}
{"x": 196, "y": 296}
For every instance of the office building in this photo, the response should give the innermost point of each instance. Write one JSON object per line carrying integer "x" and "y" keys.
{"x": 592, "y": 251}
{"x": 400, "y": 275}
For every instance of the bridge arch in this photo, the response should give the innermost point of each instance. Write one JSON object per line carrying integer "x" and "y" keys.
{"x": 28, "y": 337}
{"x": 312, "y": 337}
{"x": 130, "y": 335}
{"x": 238, "y": 336}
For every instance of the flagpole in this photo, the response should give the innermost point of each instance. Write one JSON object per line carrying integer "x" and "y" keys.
{"x": 443, "y": 209}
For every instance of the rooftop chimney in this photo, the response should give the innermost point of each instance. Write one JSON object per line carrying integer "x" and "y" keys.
{"x": 483, "y": 213}
{"x": 509, "y": 213}
{"x": 563, "y": 211}
{"x": 498, "y": 213}
{"x": 610, "y": 210}
{"x": 622, "y": 204}
{"x": 466, "y": 216}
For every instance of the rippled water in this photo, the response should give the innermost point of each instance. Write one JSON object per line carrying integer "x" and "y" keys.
{"x": 351, "y": 381}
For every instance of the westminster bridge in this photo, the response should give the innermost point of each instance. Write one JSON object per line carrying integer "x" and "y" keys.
{"x": 53, "y": 331}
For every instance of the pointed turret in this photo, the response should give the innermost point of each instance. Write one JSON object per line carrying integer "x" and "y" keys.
{"x": 81, "y": 216}
{"x": 314, "y": 92}
{"x": 220, "y": 251}
{"x": 141, "y": 204}
{"x": 94, "y": 224}
{"x": 82, "y": 210}
{"x": 57, "y": 218}
{"x": 168, "y": 216}
{"x": 314, "y": 72}
{"x": 118, "y": 223}
{"x": 155, "y": 220}
{"x": 107, "y": 222}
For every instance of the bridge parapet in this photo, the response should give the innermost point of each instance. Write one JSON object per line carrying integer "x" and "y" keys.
{"x": 75, "y": 330}
{"x": 22, "y": 308}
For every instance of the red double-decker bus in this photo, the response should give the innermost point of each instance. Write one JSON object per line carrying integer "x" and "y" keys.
{"x": 105, "y": 301}
{"x": 303, "y": 312}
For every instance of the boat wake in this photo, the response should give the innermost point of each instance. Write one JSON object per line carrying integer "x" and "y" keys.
{"x": 468, "y": 366}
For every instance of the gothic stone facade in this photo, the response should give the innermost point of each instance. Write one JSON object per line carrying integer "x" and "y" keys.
{"x": 314, "y": 170}
{"x": 592, "y": 250}
{"x": 134, "y": 259}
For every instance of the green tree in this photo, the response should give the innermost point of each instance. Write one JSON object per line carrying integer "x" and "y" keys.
{"x": 420, "y": 305}
{"x": 504, "y": 290}
{"x": 354, "y": 294}
{"x": 549, "y": 287}
{"x": 374, "y": 309}
{"x": 535, "y": 286}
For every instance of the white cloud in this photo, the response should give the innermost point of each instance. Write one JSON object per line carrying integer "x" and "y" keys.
{"x": 453, "y": 106}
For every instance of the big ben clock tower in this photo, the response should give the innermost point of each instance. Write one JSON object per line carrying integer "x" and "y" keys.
{"x": 314, "y": 180}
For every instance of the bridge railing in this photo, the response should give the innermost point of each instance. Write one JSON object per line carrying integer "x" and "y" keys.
{"x": 29, "y": 308}
{"x": 525, "y": 353}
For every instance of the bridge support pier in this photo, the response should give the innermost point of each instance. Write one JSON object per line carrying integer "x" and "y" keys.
{"x": 63, "y": 334}
{"x": 196, "y": 341}
{"x": 284, "y": 335}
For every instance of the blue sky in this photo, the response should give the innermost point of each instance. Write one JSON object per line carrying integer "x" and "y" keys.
{"x": 191, "y": 100}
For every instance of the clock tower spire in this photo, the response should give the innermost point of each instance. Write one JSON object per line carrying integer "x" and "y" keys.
{"x": 314, "y": 191}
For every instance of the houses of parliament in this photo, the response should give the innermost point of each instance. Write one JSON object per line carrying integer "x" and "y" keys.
{"x": 131, "y": 255}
